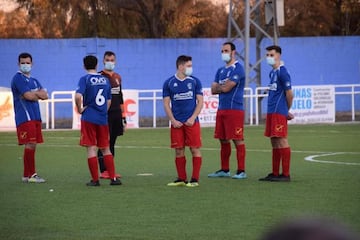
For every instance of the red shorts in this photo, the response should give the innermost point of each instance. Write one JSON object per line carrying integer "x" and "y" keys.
{"x": 29, "y": 132}
{"x": 276, "y": 125}
{"x": 229, "y": 125}
{"x": 186, "y": 136}
{"x": 94, "y": 135}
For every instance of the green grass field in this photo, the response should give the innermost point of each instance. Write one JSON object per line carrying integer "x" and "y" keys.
{"x": 145, "y": 208}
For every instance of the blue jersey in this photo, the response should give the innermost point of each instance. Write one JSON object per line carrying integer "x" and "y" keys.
{"x": 280, "y": 82}
{"x": 182, "y": 94}
{"x": 235, "y": 97}
{"x": 96, "y": 91}
{"x": 25, "y": 110}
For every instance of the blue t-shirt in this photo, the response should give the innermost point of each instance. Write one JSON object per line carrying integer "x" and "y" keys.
{"x": 25, "y": 110}
{"x": 182, "y": 94}
{"x": 235, "y": 97}
{"x": 280, "y": 82}
{"x": 96, "y": 91}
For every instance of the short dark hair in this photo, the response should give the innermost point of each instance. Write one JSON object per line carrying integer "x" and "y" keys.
{"x": 90, "y": 62}
{"x": 274, "y": 47}
{"x": 24, "y": 55}
{"x": 232, "y": 45}
{"x": 109, "y": 53}
{"x": 182, "y": 59}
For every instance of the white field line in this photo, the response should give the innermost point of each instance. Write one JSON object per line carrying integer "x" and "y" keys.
{"x": 312, "y": 158}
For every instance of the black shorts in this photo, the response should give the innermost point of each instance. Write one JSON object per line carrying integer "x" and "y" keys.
{"x": 116, "y": 127}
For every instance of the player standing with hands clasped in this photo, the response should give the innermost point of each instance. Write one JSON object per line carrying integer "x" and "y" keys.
{"x": 183, "y": 101}
{"x": 279, "y": 103}
{"x": 93, "y": 99}
{"x": 27, "y": 91}
{"x": 229, "y": 84}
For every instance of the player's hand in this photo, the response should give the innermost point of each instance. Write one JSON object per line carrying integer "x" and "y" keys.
{"x": 290, "y": 116}
{"x": 81, "y": 110}
{"x": 124, "y": 122}
{"x": 176, "y": 124}
{"x": 190, "y": 122}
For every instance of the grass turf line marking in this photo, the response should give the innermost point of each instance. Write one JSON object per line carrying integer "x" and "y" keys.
{"x": 312, "y": 158}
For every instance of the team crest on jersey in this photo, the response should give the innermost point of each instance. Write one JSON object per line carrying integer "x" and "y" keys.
{"x": 236, "y": 77}
{"x": 189, "y": 85}
{"x": 175, "y": 85}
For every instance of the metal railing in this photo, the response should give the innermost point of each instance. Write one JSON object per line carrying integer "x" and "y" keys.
{"x": 252, "y": 96}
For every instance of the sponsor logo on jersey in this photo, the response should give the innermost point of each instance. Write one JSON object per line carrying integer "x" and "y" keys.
{"x": 183, "y": 96}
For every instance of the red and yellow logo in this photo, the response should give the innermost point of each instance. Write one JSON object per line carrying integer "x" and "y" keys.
{"x": 5, "y": 108}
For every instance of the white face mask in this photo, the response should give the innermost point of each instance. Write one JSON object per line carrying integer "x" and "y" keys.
{"x": 225, "y": 57}
{"x": 109, "y": 66}
{"x": 188, "y": 71}
{"x": 270, "y": 60}
{"x": 25, "y": 68}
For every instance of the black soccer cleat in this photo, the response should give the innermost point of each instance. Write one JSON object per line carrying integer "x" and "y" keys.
{"x": 115, "y": 181}
{"x": 270, "y": 178}
{"x": 93, "y": 183}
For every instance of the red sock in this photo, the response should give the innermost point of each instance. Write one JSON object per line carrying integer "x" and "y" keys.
{"x": 276, "y": 157}
{"x": 240, "y": 156}
{"x": 286, "y": 155}
{"x": 180, "y": 163}
{"x": 93, "y": 167}
{"x": 29, "y": 162}
{"x": 196, "y": 167}
{"x": 225, "y": 153}
{"x": 109, "y": 165}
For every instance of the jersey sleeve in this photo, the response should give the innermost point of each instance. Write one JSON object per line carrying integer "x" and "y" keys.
{"x": 166, "y": 90}
{"x": 285, "y": 78}
{"x": 198, "y": 89}
{"x": 81, "y": 86}
{"x": 237, "y": 74}
{"x": 19, "y": 85}
{"x": 217, "y": 76}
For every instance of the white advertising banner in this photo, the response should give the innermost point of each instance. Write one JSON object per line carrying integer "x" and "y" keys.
{"x": 207, "y": 115}
{"x": 313, "y": 104}
{"x": 131, "y": 107}
{"x": 7, "y": 116}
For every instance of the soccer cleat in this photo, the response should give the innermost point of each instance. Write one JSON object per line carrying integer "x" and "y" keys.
{"x": 270, "y": 177}
{"x": 193, "y": 183}
{"x": 25, "y": 179}
{"x": 93, "y": 183}
{"x": 220, "y": 173}
{"x": 35, "y": 179}
{"x": 240, "y": 175}
{"x": 115, "y": 181}
{"x": 177, "y": 183}
{"x": 281, "y": 178}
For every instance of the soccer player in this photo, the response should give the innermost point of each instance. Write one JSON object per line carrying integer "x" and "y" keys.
{"x": 279, "y": 102}
{"x": 27, "y": 91}
{"x": 116, "y": 114}
{"x": 93, "y": 99}
{"x": 183, "y": 101}
{"x": 229, "y": 85}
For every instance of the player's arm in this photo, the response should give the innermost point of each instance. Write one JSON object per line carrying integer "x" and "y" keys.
{"x": 199, "y": 106}
{"x": 216, "y": 88}
{"x": 36, "y": 95}
{"x": 174, "y": 122}
{"x": 289, "y": 99}
{"x": 78, "y": 103}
